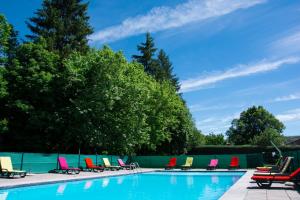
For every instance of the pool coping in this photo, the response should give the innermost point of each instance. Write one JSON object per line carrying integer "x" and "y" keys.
{"x": 239, "y": 189}
{"x": 71, "y": 178}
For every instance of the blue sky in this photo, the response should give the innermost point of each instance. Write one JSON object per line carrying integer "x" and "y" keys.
{"x": 228, "y": 55}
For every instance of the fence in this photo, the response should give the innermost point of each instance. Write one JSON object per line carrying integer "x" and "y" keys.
{"x": 42, "y": 163}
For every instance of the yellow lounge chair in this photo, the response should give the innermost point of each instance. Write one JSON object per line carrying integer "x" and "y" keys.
{"x": 188, "y": 163}
{"x": 6, "y": 168}
{"x": 107, "y": 165}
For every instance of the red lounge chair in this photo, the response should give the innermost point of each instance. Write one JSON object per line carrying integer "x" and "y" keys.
{"x": 172, "y": 163}
{"x": 234, "y": 163}
{"x": 266, "y": 181}
{"x": 91, "y": 167}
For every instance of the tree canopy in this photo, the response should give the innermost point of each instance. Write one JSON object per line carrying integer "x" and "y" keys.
{"x": 63, "y": 24}
{"x": 253, "y": 123}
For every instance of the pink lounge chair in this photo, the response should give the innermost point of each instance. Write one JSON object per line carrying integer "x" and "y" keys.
{"x": 213, "y": 164}
{"x": 64, "y": 167}
{"x": 123, "y": 165}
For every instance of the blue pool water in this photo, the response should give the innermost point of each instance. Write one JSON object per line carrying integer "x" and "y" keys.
{"x": 148, "y": 186}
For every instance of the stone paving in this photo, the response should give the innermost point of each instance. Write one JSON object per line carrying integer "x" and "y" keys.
{"x": 245, "y": 189}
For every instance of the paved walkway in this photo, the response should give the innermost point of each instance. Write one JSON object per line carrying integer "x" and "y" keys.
{"x": 37, "y": 179}
{"x": 245, "y": 189}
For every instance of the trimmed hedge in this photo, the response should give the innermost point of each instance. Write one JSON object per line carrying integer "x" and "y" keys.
{"x": 237, "y": 149}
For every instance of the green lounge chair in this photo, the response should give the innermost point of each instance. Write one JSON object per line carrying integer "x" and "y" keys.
{"x": 6, "y": 169}
{"x": 188, "y": 163}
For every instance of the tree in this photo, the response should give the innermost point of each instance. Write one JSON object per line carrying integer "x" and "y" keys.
{"x": 215, "y": 139}
{"x": 166, "y": 69}
{"x": 252, "y": 122}
{"x": 29, "y": 104}
{"x": 63, "y": 24}
{"x": 265, "y": 138}
{"x": 147, "y": 50}
{"x": 5, "y": 31}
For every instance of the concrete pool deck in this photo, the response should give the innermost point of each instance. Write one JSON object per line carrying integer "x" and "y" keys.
{"x": 47, "y": 178}
{"x": 243, "y": 189}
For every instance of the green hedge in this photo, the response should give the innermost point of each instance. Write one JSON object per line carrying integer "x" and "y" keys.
{"x": 239, "y": 149}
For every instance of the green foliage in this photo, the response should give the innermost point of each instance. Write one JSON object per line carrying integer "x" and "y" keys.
{"x": 166, "y": 70}
{"x": 252, "y": 122}
{"x": 30, "y": 103}
{"x": 63, "y": 24}
{"x": 215, "y": 139}
{"x": 5, "y": 31}
{"x": 147, "y": 51}
{"x": 265, "y": 138}
{"x": 120, "y": 109}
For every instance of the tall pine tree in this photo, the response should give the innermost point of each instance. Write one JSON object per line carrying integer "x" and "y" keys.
{"x": 166, "y": 69}
{"x": 147, "y": 50}
{"x": 63, "y": 24}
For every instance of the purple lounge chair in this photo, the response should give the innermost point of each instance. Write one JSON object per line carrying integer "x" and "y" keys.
{"x": 123, "y": 165}
{"x": 64, "y": 168}
{"x": 213, "y": 164}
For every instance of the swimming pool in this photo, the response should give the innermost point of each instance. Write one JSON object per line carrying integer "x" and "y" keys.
{"x": 146, "y": 186}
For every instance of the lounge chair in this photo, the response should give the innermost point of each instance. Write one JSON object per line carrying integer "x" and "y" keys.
{"x": 91, "y": 167}
{"x": 171, "y": 164}
{"x": 266, "y": 181}
{"x": 6, "y": 169}
{"x": 234, "y": 163}
{"x": 214, "y": 163}
{"x": 107, "y": 165}
{"x": 64, "y": 167}
{"x": 277, "y": 166}
{"x": 188, "y": 163}
{"x": 123, "y": 165}
{"x": 281, "y": 171}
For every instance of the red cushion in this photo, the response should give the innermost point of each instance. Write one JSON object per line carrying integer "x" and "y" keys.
{"x": 270, "y": 178}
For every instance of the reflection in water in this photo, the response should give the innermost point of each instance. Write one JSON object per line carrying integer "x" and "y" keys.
{"x": 215, "y": 179}
{"x": 105, "y": 182}
{"x": 88, "y": 184}
{"x": 61, "y": 188}
{"x": 120, "y": 180}
{"x": 3, "y": 195}
{"x": 190, "y": 181}
{"x": 173, "y": 180}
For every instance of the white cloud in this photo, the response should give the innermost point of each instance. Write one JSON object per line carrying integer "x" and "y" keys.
{"x": 199, "y": 107}
{"x": 288, "y": 97}
{"x": 242, "y": 70}
{"x": 288, "y": 44}
{"x": 291, "y": 115}
{"x": 218, "y": 124}
{"x": 162, "y": 18}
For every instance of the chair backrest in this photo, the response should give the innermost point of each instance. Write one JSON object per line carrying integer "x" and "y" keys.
{"x": 5, "y": 163}
{"x": 281, "y": 164}
{"x": 63, "y": 163}
{"x": 295, "y": 173}
{"x": 286, "y": 165}
{"x": 121, "y": 163}
{"x": 189, "y": 161}
{"x": 106, "y": 162}
{"x": 89, "y": 162}
{"x": 214, "y": 162}
{"x": 234, "y": 160}
{"x": 173, "y": 161}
